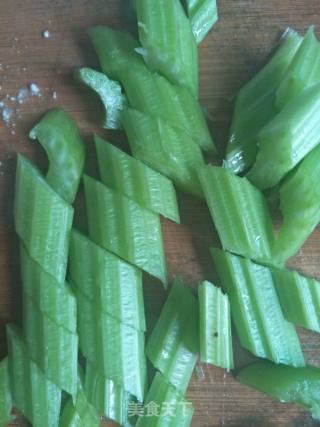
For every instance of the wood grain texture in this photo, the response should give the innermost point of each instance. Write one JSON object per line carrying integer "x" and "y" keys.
{"x": 241, "y": 42}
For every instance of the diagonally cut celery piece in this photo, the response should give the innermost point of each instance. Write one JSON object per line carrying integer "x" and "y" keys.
{"x": 5, "y": 394}
{"x": 256, "y": 310}
{"x": 136, "y": 180}
{"x": 203, "y": 14}
{"x": 215, "y": 326}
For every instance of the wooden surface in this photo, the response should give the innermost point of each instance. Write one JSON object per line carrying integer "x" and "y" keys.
{"x": 241, "y": 42}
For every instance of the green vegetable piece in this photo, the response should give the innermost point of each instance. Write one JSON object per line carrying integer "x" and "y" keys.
{"x": 5, "y": 394}
{"x": 123, "y": 227}
{"x": 174, "y": 343}
{"x": 37, "y": 398}
{"x": 239, "y": 212}
{"x": 111, "y": 284}
{"x": 165, "y": 406}
{"x": 59, "y": 135}
{"x": 168, "y": 43}
{"x": 203, "y": 14}
{"x": 137, "y": 181}
{"x": 108, "y": 91}
{"x": 215, "y": 326}
{"x": 166, "y": 149}
{"x": 52, "y": 347}
{"x": 290, "y": 136}
{"x": 42, "y": 220}
{"x": 294, "y": 385}
{"x": 255, "y": 105}
{"x": 256, "y": 310}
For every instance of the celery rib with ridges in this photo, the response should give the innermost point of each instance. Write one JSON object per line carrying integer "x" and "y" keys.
{"x": 256, "y": 105}
{"x": 136, "y": 180}
{"x": 239, "y": 212}
{"x": 215, "y": 327}
{"x": 173, "y": 345}
{"x": 203, "y": 14}
{"x": 5, "y": 394}
{"x": 256, "y": 310}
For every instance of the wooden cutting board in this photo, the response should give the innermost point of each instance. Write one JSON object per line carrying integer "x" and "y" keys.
{"x": 239, "y": 45}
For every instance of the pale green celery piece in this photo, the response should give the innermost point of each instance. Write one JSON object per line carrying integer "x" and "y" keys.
{"x": 215, "y": 327}
{"x": 37, "y": 398}
{"x": 203, "y": 14}
{"x": 168, "y": 150}
{"x": 136, "y": 180}
{"x": 300, "y": 206}
{"x": 169, "y": 45}
{"x": 287, "y": 384}
{"x": 290, "y": 136}
{"x": 109, "y": 92}
{"x": 109, "y": 398}
{"x": 43, "y": 220}
{"x": 255, "y": 105}
{"x": 110, "y": 283}
{"x": 165, "y": 406}
{"x": 5, "y": 394}
{"x": 239, "y": 212}
{"x": 123, "y": 227}
{"x": 304, "y": 70}
{"x": 53, "y": 348}
{"x": 173, "y": 346}
{"x": 256, "y": 310}
{"x": 299, "y": 297}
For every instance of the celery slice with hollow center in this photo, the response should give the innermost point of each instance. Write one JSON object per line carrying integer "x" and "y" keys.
{"x": 203, "y": 14}
{"x": 5, "y": 394}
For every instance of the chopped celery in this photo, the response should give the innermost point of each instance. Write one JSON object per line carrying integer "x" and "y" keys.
{"x": 165, "y": 406}
{"x": 174, "y": 343}
{"x": 169, "y": 150}
{"x": 295, "y": 385}
{"x": 111, "y": 284}
{"x": 60, "y": 137}
{"x": 203, "y": 14}
{"x": 239, "y": 212}
{"x": 37, "y": 398}
{"x": 255, "y": 105}
{"x": 108, "y": 91}
{"x": 256, "y": 310}
{"x": 52, "y": 347}
{"x": 42, "y": 219}
{"x": 299, "y": 297}
{"x": 137, "y": 181}
{"x": 215, "y": 326}
{"x": 290, "y": 136}
{"x": 168, "y": 43}
{"x": 5, "y": 394}
{"x": 123, "y": 227}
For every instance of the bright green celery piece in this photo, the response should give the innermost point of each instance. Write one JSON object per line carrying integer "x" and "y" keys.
{"x": 146, "y": 91}
{"x": 115, "y": 348}
{"x": 5, "y": 394}
{"x": 203, "y": 14}
{"x": 53, "y": 299}
{"x": 255, "y": 105}
{"x": 174, "y": 343}
{"x": 59, "y": 135}
{"x": 300, "y": 206}
{"x": 33, "y": 394}
{"x": 256, "y": 310}
{"x": 290, "y": 136}
{"x": 169, "y": 45}
{"x": 109, "y": 92}
{"x": 292, "y": 385}
{"x": 304, "y": 70}
{"x": 215, "y": 326}
{"x": 165, "y": 406}
{"x": 108, "y": 397}
{"x": 111, "y": 284}
{"x": 239, "y": 212}
{"x": 43, "y": 220}
{"x": 299, "y": 297}
{"x": 168, "y": 150}
{"x": 136, "y": 180}
{"x": 123, "y": 227}
{"x": 52, "y": 347}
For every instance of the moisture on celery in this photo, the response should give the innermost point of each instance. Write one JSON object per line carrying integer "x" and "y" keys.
{"x": 203, "y": 14}
{"x": 5, "y": 394}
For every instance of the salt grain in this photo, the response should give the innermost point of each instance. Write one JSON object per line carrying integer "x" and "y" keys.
{"x": 46, "y": 34}
{"x": 34, "y": 90}
{"x": 6, "y": 115}
{"x": 54, "y": 95}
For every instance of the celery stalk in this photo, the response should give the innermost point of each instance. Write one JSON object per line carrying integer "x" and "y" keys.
{"x": 5, "y": 394}
{"x": 203, "y": 15}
